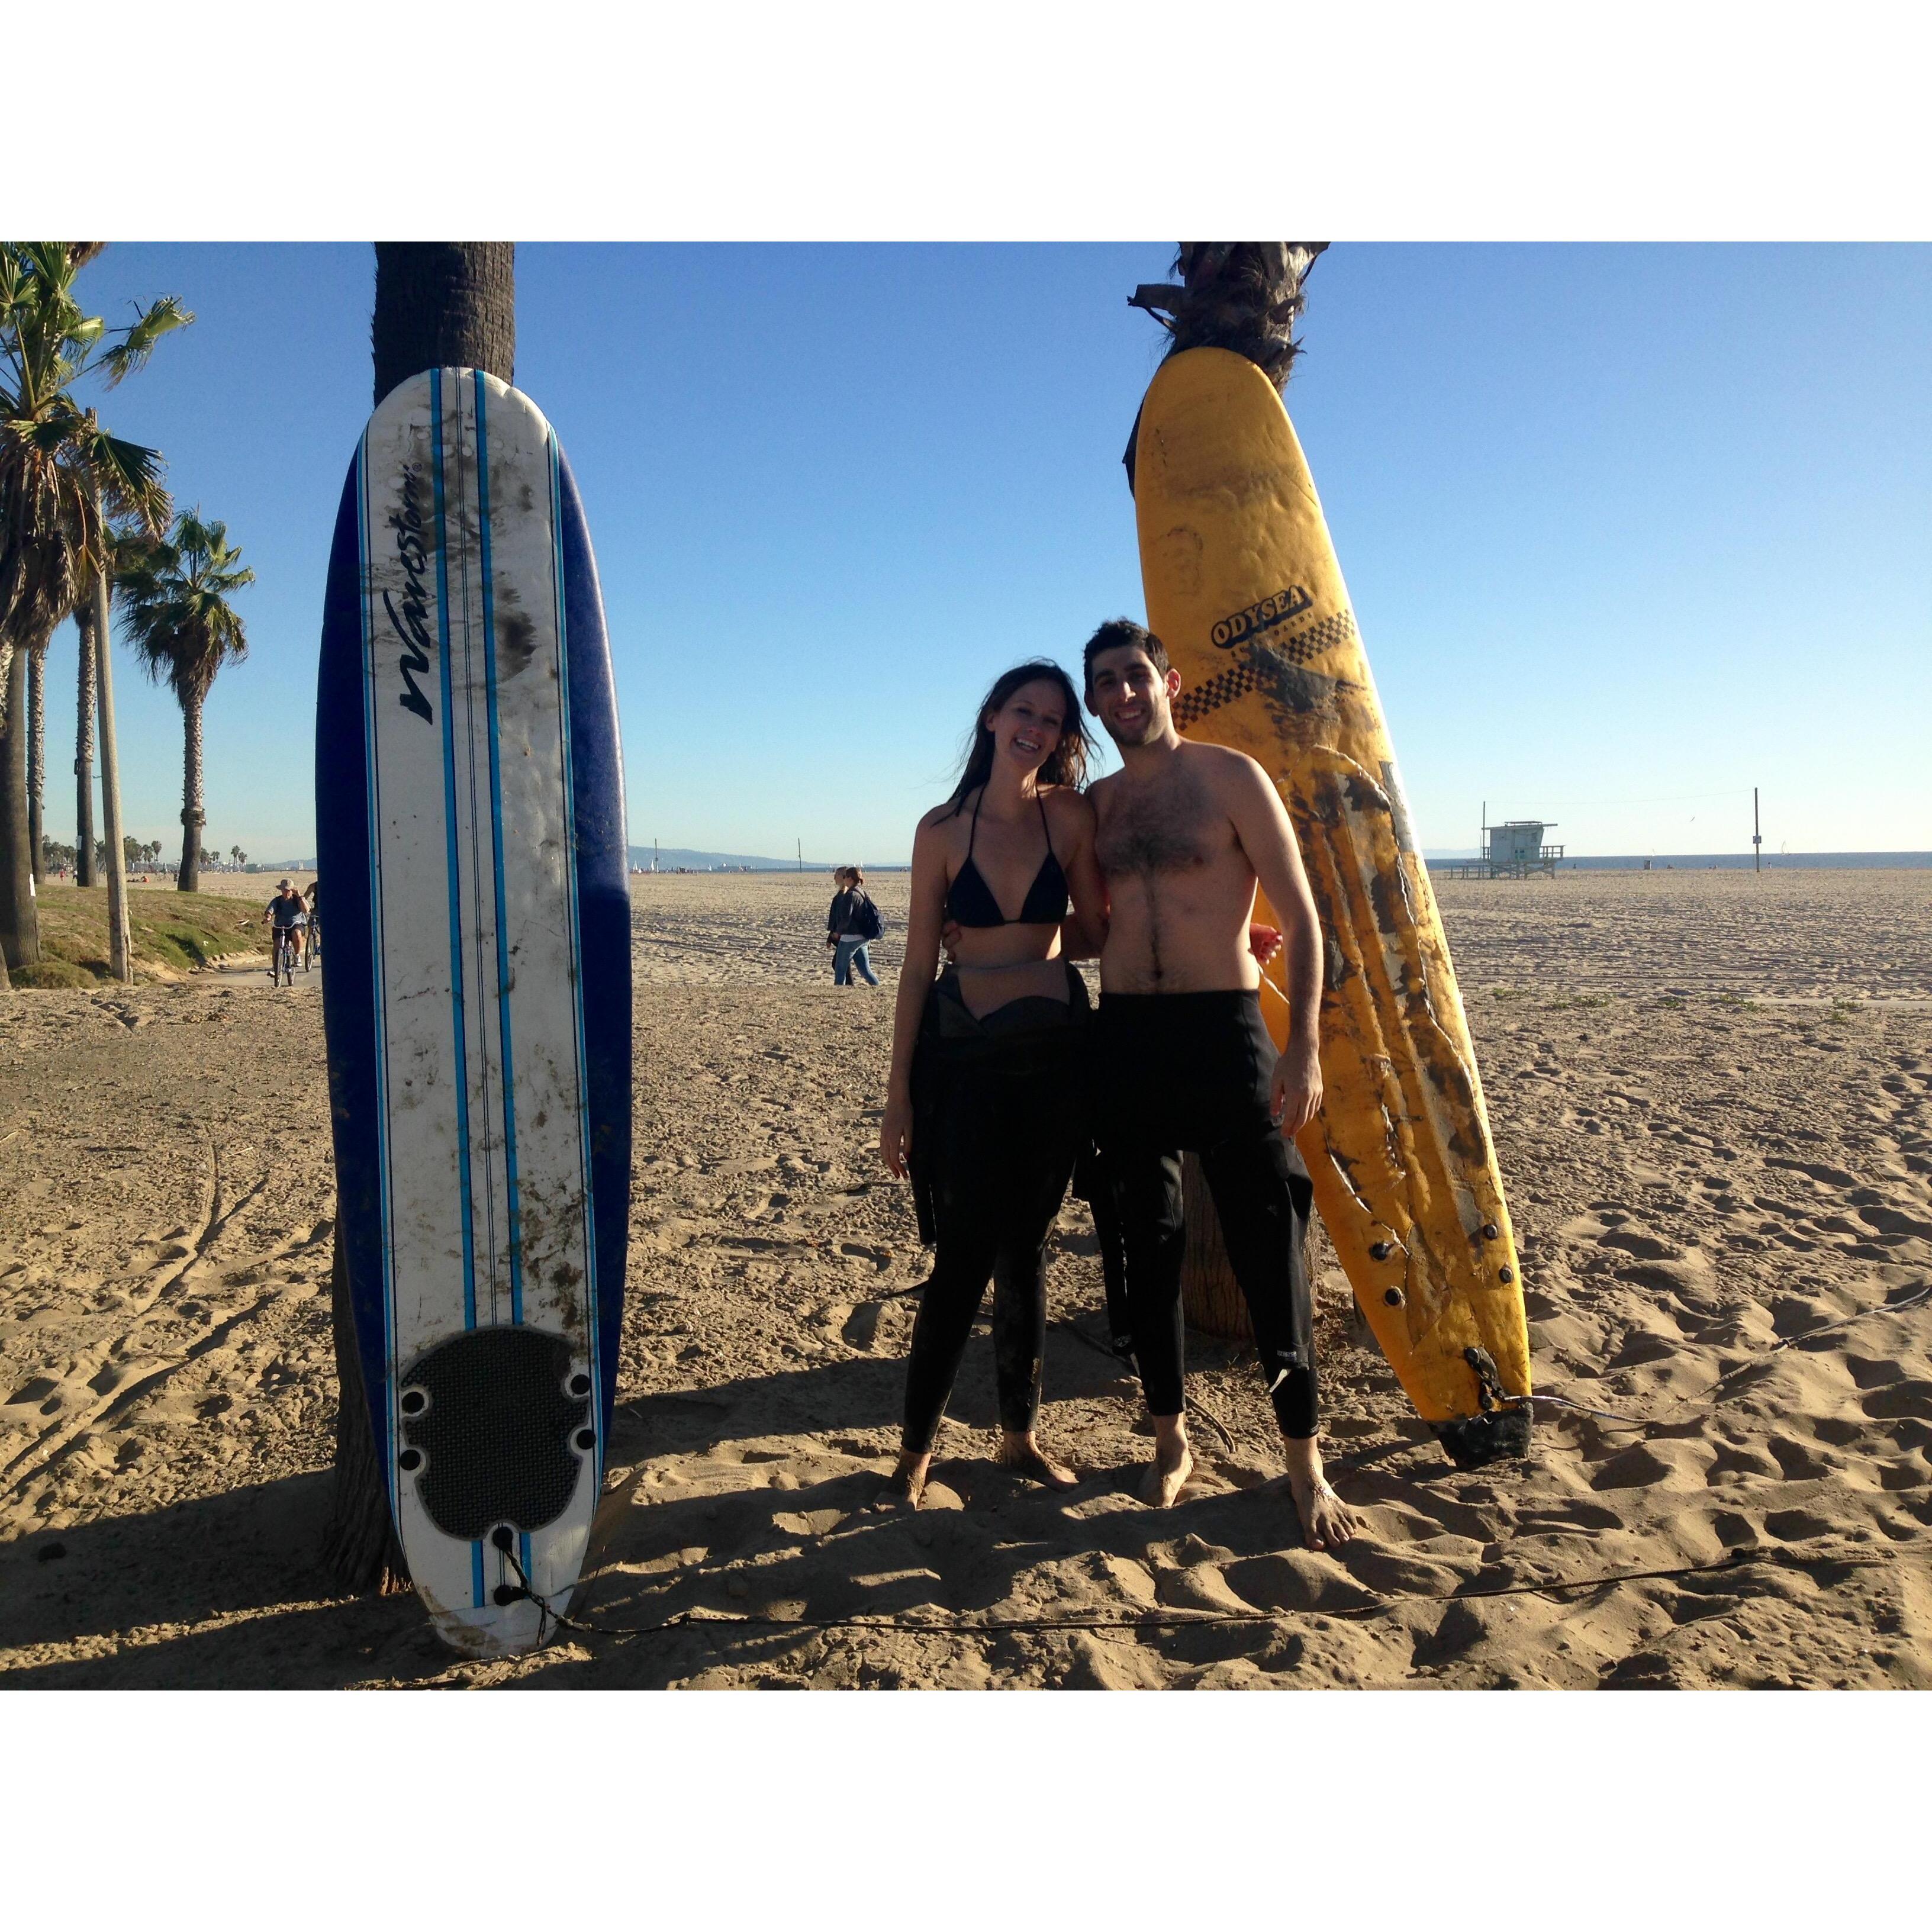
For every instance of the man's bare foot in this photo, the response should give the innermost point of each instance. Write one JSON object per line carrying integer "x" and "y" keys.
{"x": 905, "y": 1485}
{"x": 1023, "y": 1455}
{"x": 1173, "y": 1462}
{"x": 1327, "y": 1521}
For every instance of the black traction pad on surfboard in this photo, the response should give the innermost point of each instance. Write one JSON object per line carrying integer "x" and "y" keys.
{"x": 496, "y": 1423}
{"x": 1498, "y": 1431}
{"x": 1477, "y": 1440}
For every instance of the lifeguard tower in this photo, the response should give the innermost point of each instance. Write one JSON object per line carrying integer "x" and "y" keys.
{"x": 1512, "y": 851}
{"x": 1515, "y": 851}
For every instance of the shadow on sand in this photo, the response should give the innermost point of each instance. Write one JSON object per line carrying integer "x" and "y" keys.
{"x": 761, "y": 1509}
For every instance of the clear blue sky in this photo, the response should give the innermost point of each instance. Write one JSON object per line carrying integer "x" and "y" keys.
{"x": 1628, "y": 528}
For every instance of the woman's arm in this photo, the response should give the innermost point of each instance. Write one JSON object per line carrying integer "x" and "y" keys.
{"x": 927, "y": 911}
{"x": 1082, "y": 935}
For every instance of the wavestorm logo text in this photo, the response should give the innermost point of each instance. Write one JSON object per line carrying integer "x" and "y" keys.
{"x": 1263, "y": 616}
{"x": 411, "y": 622}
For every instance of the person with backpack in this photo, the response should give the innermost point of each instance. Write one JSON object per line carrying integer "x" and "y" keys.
{"x": 850, "y": 926}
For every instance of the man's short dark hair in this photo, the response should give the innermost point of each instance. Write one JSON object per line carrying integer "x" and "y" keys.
{"x": 1118, "y": 634}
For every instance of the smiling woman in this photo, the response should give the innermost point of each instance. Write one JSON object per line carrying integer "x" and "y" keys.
{"x": 985, "y": 1101}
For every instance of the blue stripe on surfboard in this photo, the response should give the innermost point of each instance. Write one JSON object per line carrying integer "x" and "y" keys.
{"x": 590, "y": 1299}
{"x": 496, "y": 851}
{"x": 376, "y": 960}
{"x": 482, "y": 898}
{"x": 462, "y": 1081}
{"x": 476, "y": 1573}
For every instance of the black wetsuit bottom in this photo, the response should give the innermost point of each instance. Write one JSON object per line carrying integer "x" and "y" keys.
{"x": 998, "y": 1117}
{"x": 1190, "y": 1071}
{"x": 1090, "y": 1183}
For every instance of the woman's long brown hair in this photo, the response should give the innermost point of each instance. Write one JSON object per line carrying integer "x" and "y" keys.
{"x": 1065, "y": 764}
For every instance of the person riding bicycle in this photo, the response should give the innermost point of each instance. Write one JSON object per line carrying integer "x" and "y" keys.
{"x": 286, "y": 914}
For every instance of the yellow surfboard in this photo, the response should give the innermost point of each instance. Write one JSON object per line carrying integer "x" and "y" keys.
{"x": 1244, "y": 588}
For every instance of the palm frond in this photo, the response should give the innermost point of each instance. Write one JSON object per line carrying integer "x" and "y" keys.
{"x": 174, "y": 591}
{"x": 50, "y": 260}
{"x": 131, "y": 353}
{"x": 129, "y": 475}
{"x": 59, "y": 468}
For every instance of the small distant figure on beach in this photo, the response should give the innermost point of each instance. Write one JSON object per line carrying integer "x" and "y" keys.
{"x": 850, "y": 926}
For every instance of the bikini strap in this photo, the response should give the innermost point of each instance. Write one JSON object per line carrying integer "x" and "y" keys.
{"x": 1045, "y": 829}
{"x": 974, "y": 833}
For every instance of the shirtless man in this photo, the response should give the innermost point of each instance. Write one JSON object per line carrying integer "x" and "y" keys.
{"x": 1183, "y": 1059}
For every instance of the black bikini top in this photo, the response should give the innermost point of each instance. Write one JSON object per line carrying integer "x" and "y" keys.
{"x": 969, "y": 900}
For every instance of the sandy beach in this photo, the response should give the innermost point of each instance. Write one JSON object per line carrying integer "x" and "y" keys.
{"x": 1711, "y": 1093}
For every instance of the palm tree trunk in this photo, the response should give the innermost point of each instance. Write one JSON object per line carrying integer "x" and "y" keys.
{"x": 83, "y": 749}
{"x": 19, "y": 916}
{"x": 193, "y": 817}
{"x": 1211, "y": 1297}
{"x": 441, "y": 305}
{"x": 36, "y": 762}
{"x": 359, "y": 1547}
{"x": 438, "y": 304}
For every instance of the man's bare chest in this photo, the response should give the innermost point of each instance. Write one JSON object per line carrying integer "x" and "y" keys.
{"x": 1174, "y": 827}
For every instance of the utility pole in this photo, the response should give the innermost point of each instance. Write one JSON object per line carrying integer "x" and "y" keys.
{"x": 1757, "y": 837}
{"x": 119, "y": 960}
{"x": 654, "y": 855}
{"x": 801, "y": 855}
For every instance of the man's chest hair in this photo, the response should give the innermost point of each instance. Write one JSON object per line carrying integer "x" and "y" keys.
{"x": 1172, "y": 823}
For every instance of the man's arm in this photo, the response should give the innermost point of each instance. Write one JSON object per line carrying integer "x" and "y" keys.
{"x": 1267, "y": 838}
{"x": 1083, "y": 934}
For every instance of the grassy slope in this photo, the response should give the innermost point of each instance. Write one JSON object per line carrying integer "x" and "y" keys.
{"x": 173, "y": 933}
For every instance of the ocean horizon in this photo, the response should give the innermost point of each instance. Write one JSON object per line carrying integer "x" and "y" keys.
{"x": 1720, "y": 861}
{"x": 684, "y": 857}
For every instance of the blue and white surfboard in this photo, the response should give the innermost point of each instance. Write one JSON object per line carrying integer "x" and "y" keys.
{"x": 470, "y": 834}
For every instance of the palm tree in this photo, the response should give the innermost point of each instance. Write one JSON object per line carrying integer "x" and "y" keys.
{"x": 58, "y": 470}
{"x": 444, "y": 304}
{"x": 86, "y": 700}
{"x": 438, "y": 304}
{"x": 37, "y": 757}
{"x": 175, "y": 591}
{"x": 83, "y": 745}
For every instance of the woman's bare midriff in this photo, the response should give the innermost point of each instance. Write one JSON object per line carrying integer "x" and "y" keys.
{"x": 1018, "y": 962}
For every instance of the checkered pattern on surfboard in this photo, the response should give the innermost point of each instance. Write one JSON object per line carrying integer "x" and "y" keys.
{"x": 1237, "y": 680}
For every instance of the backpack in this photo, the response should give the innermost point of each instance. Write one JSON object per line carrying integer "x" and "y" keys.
{"x": 865, "y": 919}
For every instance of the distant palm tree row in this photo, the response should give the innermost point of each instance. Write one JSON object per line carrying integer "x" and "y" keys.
{"x": 62, "y": 857}
{"x": 74, "y": 501}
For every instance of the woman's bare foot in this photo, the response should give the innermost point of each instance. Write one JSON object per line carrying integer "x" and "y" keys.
{"x": 1327, "y": 1521}
{"x": 1023, "y": 1455}
{"x": 906, "y": 1484}
{"x": 1173, "y": 1462}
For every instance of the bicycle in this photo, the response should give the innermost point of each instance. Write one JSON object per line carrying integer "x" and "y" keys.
{"x": 283, "y": 964}
{"x": 311, "y": 942}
